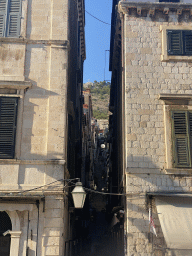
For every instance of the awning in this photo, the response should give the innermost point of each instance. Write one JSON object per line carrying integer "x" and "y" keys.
{"x": 175, "y": 216}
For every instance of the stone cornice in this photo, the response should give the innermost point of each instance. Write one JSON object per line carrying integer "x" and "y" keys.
{"x": 125, "y": 7}
{"x": 176, "y": 99}
{"x": 32, "y": 162}
{"x": 15, "y": 84}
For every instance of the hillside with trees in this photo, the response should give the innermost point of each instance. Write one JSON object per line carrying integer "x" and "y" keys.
{"x": 100, "y": 92}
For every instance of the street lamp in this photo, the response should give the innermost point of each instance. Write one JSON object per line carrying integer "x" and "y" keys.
{"x": 78, "y": 195}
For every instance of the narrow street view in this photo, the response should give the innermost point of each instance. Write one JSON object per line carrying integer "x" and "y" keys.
{"x": 104, "y": 234}
{"x": 95, "y": 127}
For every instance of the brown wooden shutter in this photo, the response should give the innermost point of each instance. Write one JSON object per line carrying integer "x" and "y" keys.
{"x": 8, "y": 119}
{"x": 181, "y": 139}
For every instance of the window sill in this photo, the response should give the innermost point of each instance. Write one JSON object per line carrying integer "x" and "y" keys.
{"x": 166, "y": 57}
{"x": 179, "y": 171}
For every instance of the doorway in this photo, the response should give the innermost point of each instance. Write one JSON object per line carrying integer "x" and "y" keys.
{"x": 5, "y": 241}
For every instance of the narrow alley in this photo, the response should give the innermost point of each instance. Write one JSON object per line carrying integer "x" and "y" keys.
{"x": 101, "y": 239}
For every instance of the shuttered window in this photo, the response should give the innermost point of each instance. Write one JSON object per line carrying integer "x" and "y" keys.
{"x": 8, "y": 119}
{"x": 182, "y": 138}
{"x": 179, "y": 42}
{"x": 10, "y": 18}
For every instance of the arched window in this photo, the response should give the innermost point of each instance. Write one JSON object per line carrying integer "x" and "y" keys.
{"x": 5, "y": 224}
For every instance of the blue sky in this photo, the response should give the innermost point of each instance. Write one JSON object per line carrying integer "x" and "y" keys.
{"x": 97, "y": 39}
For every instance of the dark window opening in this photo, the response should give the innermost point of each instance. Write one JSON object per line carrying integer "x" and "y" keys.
{"x": 5, "y": 224}
{"x": 179, "y": 42}
{"x": 182, "y": 138}
{"x": 8, "y": 121}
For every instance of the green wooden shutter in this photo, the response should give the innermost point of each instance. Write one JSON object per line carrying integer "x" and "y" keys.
{"x": 181, "y": 139}
{"x": 3, "y": 8}
{"x": 8, "y": 119}
{"x": 190, "y": 136}
{"x": 174, "y": 42}
{"x": 187, "y": 38}
{"x": 14, "y": 18}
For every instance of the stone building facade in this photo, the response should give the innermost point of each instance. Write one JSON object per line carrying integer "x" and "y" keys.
{"x": 37, "y": 62}
{"x": 151, "y": 54}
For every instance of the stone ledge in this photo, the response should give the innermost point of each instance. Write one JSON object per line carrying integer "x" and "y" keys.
{"x": 15, "y": 84}
{"x": 179, "y": 171}
{"x": 140, "y": 170}
{"x": 34, "y": 162}
{"x": 124, "y": 7}
{"x": 64, "y": 43}
{"x": 158, "y": 171}
{"x": 175, "y": 99}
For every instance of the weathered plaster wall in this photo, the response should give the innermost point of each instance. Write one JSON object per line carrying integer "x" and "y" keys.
{"x": 39, "y": 56}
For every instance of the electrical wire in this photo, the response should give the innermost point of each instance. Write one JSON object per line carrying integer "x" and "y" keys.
{"x": 28, "y": 190}
{"x": 104, "y": 193}
{"x": 107, "y": 193}
{"x": 97, "y": 18}
{"x": 94, "y": 16}
{"x": 73, "y": 184}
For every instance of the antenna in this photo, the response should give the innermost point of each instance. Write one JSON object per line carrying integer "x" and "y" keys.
{"x": 105, "y": 63}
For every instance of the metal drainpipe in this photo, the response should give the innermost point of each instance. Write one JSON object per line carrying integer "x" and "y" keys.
{"x": 37, "y": 204}
{"x": 27, "y": 248}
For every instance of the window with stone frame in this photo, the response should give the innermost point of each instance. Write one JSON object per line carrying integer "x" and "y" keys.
{"x": 10, "y": 18}
{"x": 8, "y": 121}
{"x": 176, "y": 42}
{"x": 179, "y": 42}
{"x": 182, "y": 138}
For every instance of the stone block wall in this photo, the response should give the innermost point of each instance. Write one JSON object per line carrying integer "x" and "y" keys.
{"x": 147, "y": 168}
{"x": 147, "y": 77}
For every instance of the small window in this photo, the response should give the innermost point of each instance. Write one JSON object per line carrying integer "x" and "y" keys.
{"x": 8, "y": 120}
{"x": 182, "y": 138}
{"x": 10, "y": 17}
{"x": 179, "y": 42}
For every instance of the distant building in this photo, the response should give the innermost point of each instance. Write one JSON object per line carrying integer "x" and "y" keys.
{"x": 88, "y": 85}
{"x": 103, "y": 124}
